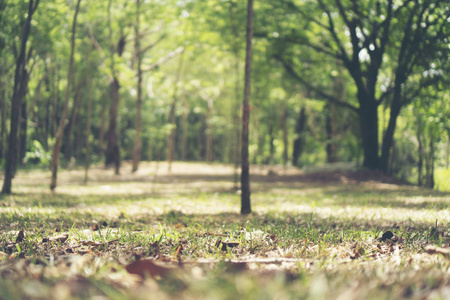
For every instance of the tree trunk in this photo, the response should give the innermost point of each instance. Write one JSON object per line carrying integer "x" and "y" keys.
{"x": 285, "y": 135}
{"x": 137, "y": 147}
{"x": 299, "y": 141}
{"x": 421, "y": 154}
{"x": 245, "y": 166}
{"x": 209, "y": 132}
{"x": 20, "y": 80}
{"x": 88, "y": 131}
{"x": 185, "y": 129}
{"x": 330, "y": 126}
{"x": 3, "y": 123}
{"x": 173, "y": 106}
{"x": 368, "y": 118}
{"x": 101, "y": 135}
{"x": 55, "y": 96}
{"x": 112, "y": 151}
{"x": 23, "y": 133}
{"x": 447, "y": 152}
{"x": 429, "y": 180}
{"x": 69, "y": 135}
{"x": 62, "y": 122}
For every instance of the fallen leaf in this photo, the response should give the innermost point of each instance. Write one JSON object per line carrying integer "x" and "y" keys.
{"x": 389, "y": 235}
{"x": 179, "y": 226}
{"x": 225, "y": 245}
{"x": 437, "y": 250}
{"x": 84, "y": 250}
{"x": 147, "y": 267}
{"x": 177, "y": 253}
{"x": 61, "y": 238}
{"x": 20, "y": 237}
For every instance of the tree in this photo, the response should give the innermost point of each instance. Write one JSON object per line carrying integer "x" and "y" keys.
{"x": 20, "y": 88}
{"x": 245, "y": 167}
{"x": 360, "y": 36}
{"x": 62, "y": 121}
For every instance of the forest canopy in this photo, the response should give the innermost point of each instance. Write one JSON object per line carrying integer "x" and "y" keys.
{"x": 363, "y": 83}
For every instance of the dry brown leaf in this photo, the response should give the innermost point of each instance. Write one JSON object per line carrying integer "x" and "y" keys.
{"x": 84, "y": 250}
{"x": 437, "y": 250}
{"x": 20, "y": 236}
{"x": 147, "y": 267}
{"x": 61, "y": 238}
{"x": 225, "y": 245}
{"x": 177, "y": 253}
{"x": 390, "y": 236}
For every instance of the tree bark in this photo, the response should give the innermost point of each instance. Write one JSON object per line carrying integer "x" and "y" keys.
{"x": 23, "y": 132}
{"x": 88, "y": 131}
{"x": 330, "y": 126}
{"x": 185, "y": 129}
{"x": 368, "y": 119}
{"x": 68, "y": 148}
{"x": 62, "y": 121}
{"x": 299, "y": 141}
{"x": 20, "y": 80}
{"x": 209, "y": 138}
{"x": 245, "y": 166}
{"x": 173, "y": 106}
{"x": 137, "y": 148}
{"x": 3, "y": 122}
{"x": 112, "y": 151}
{"x": 285, "y": 135}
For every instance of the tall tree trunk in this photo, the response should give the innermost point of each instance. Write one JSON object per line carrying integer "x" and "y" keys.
{"x": 20, "y": 80}
{"x": 330, "y": 126}
{"x": 112, "y": 151}
{"x": 271, "y": 133}
{"x": 245, "y": 166}
{"x": 55, "y": 98}
{"x": 112, "y": 154}
{"x": 299, "y": 141}
{"x": 421, "y": 154}
{"x": 23, "y": 133}
{"x": 101, "y": 135}
{"x": 137, "y": 148}
{"x": 285, "y": 135}
{"x": 3, "y": 122}
{"x": 88, "y": 131}
{"x": 447, "y": 152}
{"x": 429, "y": 180}
{"x": 69, "y": 135}
{"x": 185, "y": 128}
{"x": 173, "y": 106}
{"x": 368, "y": 118}
{"x": 62, "y": 121}
{"x": 209, "y": 138}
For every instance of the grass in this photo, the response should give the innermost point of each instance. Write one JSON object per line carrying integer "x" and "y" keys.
{"x": 309, "y": 236}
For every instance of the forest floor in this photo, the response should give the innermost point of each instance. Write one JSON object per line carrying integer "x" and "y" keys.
{"x": 163, "y": 235}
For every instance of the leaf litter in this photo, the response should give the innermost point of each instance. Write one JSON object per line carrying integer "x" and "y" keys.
{"x": 280, "y": 254}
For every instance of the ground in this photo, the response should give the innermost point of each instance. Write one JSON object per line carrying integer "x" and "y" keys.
{"x": 159, "y": 234}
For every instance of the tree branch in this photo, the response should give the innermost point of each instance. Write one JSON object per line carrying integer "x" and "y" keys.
{"x": 164, "y": 59}
{"x": 318, "y": 90}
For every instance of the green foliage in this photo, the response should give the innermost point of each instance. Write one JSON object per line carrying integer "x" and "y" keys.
{"x": 37, "y": 155}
